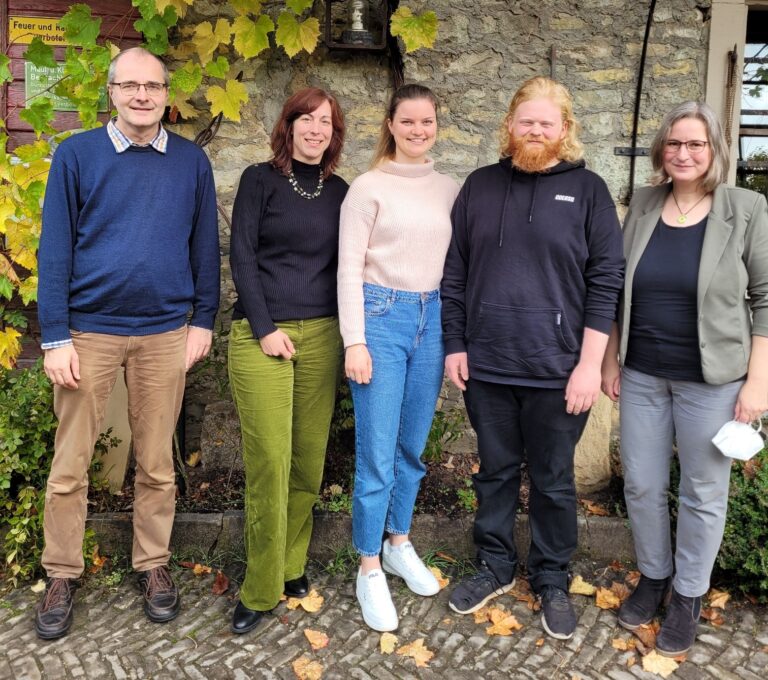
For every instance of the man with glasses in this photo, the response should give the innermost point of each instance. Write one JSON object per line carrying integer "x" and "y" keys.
{"x": 129, "y": 247}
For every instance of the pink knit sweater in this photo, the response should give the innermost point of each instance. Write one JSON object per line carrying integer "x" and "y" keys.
{"x": 395, "y": 232}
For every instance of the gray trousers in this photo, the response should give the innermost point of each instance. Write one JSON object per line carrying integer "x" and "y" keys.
{"x": 654, "y": 413}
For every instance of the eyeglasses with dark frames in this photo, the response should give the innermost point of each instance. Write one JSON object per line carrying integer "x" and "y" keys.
{"x": 130, "y": 88}
{"x": 694, "y": 146}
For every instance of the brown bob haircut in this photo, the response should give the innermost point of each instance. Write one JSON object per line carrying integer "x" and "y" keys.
{"x": 281, "y": 140}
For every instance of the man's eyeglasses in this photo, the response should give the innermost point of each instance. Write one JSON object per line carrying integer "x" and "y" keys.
{"x": 694, "y": 146}
{"x": 130, "y": 88}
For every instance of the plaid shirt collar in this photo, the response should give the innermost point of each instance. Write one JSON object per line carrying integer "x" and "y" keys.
{"x": 121, "y": 142}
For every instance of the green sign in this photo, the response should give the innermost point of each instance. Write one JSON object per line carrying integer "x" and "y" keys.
{"x": 40, "y": 81}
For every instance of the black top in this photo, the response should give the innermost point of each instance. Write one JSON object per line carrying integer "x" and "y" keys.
{"x": 663, "y": 335}
{"x": 535, "y": 258}
{"x": 284, "y": 248}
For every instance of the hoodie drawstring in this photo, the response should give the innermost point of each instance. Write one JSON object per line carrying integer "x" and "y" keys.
{"x": 507, "y": 194}
{"x": 533, "y": 199}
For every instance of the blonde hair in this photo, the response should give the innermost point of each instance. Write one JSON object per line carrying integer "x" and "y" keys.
{"x": 718, "y": 169}
{"x": 385, "y": 147}
{"x": 545, "y": 88}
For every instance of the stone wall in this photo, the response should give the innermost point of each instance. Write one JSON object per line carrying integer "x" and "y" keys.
{"x": 485, "y": 50}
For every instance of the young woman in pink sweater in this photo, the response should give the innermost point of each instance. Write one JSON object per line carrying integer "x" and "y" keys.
{"x": 395, "y": 232}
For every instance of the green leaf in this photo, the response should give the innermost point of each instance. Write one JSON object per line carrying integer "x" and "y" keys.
{"x": 252, "y": 37}
{"x": 5, "y": 72}
{"x": 227, "y": 100}
{"x": 415, "y": 31}
{"x": 187, "y": 78}
{"x": 217, "y": 69}
{"x": 155, "y": 32}
{"x": 295, "y": 36}
{"x": 6, "y": 287}
{"x": 39, "y": 114}
{"x": 39, "y": 53}
{"x": 298, "y": 6}
{"x": 246, "y": 6}
{"x": 79, "y": 27}
{"x": 33, "y": 152}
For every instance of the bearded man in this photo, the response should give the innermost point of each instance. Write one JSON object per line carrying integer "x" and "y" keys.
{"x": 529, "y": 292}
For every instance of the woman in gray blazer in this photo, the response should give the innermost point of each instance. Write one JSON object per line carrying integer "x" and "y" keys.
{"x": 692, "y": 343}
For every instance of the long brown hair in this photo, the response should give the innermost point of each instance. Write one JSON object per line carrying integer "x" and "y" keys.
{"x": 385, "y": 147}
{"x": 281, "y": 140}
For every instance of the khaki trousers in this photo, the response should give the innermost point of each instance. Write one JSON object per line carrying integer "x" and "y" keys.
{"x": 155, "y": 377}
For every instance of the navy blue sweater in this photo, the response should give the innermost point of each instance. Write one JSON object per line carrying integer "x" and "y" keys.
{"x": 534, "y": 259}
{"x": 130, "y": 241}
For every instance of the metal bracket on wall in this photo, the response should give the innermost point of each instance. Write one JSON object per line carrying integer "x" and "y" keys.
{"x": 631, "y": 151}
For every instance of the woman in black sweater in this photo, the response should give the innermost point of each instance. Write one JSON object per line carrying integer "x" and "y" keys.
{"x": 284, "y": 345}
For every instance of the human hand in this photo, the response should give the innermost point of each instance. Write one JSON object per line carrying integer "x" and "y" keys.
{"x": 583, "y": 388}
{"x": 457, "y": 369}
{"x": 277, "y": 344}
{"x": 62, "y": 366}
{"x": 752, "y": 401}
{"x": 199, "y": 341}
{"x": 358, "y": 365}
{"x": 611, "y": 379}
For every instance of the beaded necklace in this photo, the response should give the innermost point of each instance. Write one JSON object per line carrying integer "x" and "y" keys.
{"x": 305, "y": 194}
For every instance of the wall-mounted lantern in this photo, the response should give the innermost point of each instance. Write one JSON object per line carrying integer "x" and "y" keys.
{"x": 356, "y": 24}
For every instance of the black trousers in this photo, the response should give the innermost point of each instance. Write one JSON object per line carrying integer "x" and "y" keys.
{"x": 513, "y": 422}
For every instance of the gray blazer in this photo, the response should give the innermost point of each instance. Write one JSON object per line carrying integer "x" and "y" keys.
{"x": 732, "y": 296}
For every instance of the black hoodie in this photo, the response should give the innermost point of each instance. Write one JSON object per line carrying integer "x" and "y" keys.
{"x": 534, "y": 259}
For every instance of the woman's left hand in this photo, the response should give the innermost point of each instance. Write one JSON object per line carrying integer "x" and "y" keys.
{"x": 752, "y": 401}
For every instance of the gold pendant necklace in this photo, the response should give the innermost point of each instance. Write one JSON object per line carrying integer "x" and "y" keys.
{"x": 682, "y": 219}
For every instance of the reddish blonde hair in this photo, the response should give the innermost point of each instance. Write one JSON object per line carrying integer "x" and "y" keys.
{"x": 302, "y": 102}
{"x": 546, "y": 88}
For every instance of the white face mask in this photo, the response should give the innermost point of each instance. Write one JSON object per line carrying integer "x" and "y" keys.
{"x": 739, "y": 440}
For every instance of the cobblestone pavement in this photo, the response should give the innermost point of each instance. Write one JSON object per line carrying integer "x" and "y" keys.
{"x": 111, "y": 639}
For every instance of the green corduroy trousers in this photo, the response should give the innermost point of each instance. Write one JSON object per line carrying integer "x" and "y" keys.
{"x": 285, "y": 409}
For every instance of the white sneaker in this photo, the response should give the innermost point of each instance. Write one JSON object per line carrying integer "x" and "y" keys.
{"x": 403, "y": 561}
{"x": 375, "y": 601}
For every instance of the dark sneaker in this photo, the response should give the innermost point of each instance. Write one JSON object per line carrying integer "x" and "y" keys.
{"x": 476, "y": 590}
{"x": 161, "y": 597}
{"x": 53, "y": 615}
{"x": 678, "y": 632}
{"x": 641, "y": 606}
{"x": 557, "y": 615}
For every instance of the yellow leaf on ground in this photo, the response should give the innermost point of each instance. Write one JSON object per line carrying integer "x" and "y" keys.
{"x": 482, "y": 615}
{"x": 646, "y": 636}
{"x": 387, "y": 643}
{"x": 607, "y": 599}
{"x": 631, "y": 661}
{"x": 718, "y": 598}
{"x": 623, "y": 645}
{"x": 442, "y": 579}
{"x": 38, "y": 587}
{"x": 310, "y": 603}
{"x": 632, "y": 578}
{"x": 539, "y": 642}
{"x": 712, "y": 616}
{"x": 593, "y": 508}
{"x": 496, "y": 614}
{"x": 417, "y": 651}
{"x": 201, "y": 569}
{"x": 504, "y": 627}
{"x": 580, "y": 587}
{"x": 307, "y": 669}
{"x": 620, "y": 590}
{"x": 194, "y": 458}
{"x": 317, "y": 639}
{"x": 658, "y": 664}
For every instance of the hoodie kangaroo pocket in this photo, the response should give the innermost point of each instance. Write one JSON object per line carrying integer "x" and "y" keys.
{"x": 522, "y": 341}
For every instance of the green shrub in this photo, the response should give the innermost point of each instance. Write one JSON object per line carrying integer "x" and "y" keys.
{"x": 744, "y": 552}
{"x": 27, "y": 432}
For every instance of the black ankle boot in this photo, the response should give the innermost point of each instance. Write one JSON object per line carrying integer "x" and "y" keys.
{"x": 641, "y": 606}
{"x": 678, "y": 632}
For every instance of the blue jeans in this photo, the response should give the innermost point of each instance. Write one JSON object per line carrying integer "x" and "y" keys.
{"x": 393, "y": 413}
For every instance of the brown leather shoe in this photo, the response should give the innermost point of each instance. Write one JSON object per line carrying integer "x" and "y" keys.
{"x": 161, "y": 596}
{"x": 53, "y": 614}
